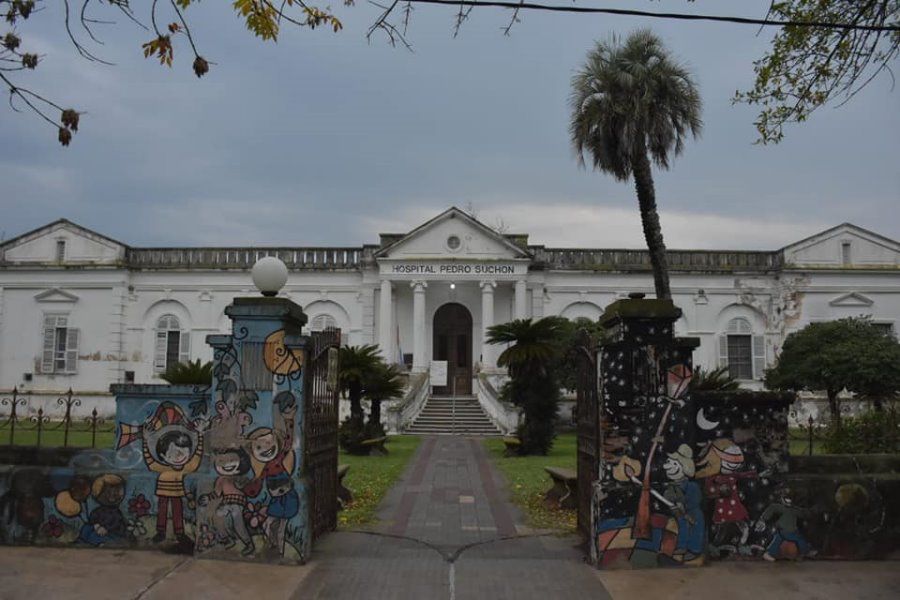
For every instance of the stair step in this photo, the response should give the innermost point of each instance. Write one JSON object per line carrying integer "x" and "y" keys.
{"x": 460, "y": 415}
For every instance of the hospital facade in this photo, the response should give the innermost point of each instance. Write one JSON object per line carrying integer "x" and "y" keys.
{"x": 81, "y": 310}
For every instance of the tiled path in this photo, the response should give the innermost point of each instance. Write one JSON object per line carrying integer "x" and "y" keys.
{"x": 447, "y": 531}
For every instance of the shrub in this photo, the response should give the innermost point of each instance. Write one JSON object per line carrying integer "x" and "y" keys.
{"x": 868, "y": 433}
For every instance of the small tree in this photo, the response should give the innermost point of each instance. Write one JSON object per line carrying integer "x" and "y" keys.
{"x": 357, "y": 364}
{"x": 717, "y": 380}
{"x": 849, "y": 354}
{"x": 531, "y": 360}
{"x": 190, "y": 372}
{"x": 384, "y": 383}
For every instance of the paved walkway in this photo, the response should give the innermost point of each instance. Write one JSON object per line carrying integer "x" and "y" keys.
{"x": 446, "y": 531}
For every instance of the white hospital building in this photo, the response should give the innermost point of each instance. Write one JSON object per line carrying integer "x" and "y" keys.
{"x": 81, "y": 310}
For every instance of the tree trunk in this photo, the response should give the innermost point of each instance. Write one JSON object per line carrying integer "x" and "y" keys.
{"x": 643, "y": 184}
{"x": 375, "y": 412}
{"x": 356, "y": 410}
{"x": 834, "y": 405}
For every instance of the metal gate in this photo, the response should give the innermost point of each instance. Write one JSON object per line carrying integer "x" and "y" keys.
{"x": 588, "y": 413}
{"x": 320, "y": 424}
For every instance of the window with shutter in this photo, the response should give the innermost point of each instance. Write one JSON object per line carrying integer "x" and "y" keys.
{"x": 49, "y": 343}
{"x": 738, "y": 349}
{"x": 759, "y": 356}
{"x": 59, "y": 345}
{"x": 71, "y": 350}
{"x": 159, "y": 352}
{"x": 185, "y": 352}
{"x": 172, "y": 344}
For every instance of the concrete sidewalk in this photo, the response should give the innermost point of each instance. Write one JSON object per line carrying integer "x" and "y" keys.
{"x": 446, "y": 530}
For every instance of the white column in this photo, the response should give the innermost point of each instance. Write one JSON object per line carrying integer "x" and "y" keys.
{"x": 419, "y": 363}
{"x": 521, "y": 311}
{"x": 385, "y": 324}
{"x": 487, "y": 320}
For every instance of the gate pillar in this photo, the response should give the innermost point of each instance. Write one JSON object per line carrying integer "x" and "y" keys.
{"x": 646, "y": 506}
{"x": 256, "y": 495}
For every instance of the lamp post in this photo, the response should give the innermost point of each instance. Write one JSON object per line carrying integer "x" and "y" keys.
{"x": 269, "y": 275}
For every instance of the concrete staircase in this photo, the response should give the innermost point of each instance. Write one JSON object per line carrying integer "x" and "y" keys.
{"x": 460, "y": 415}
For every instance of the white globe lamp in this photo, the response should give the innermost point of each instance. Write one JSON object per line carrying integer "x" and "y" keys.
{"x": 269, "y": 275}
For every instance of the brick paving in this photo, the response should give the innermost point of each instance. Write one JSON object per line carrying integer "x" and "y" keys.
{"x": 447, "y": 530}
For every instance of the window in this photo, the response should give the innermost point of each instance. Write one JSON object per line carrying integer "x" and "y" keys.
{"x": 887, "y": 328}
{"x": 172, "y": 344}
{"x": 846, "y": 258}
{"x": 742, "y": 352}
{"x": 60, "y": 345}
{"x": 323, "y": 322}
{"x": 60, "y": 250}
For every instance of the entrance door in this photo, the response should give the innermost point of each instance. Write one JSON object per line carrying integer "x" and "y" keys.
{"x": 452, "y": 341}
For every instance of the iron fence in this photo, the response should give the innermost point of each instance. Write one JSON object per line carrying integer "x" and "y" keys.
{"x": 42, "y": 426}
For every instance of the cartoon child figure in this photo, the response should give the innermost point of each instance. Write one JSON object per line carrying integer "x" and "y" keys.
{"x": 785, "y": 516}
{"x": 231, "y": 464}
{"x": 687, "y": 499}
{"x": 179, "y": 449}
{"x": 270, "y": 449}
{"x": 284, "y": 504}
{"x": 106, "y": 522}
{"x": 719, "y": 464}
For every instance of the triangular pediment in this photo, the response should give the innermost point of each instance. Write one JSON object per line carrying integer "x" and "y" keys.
{"x": 846, "y": 245}
{"x": 56, "y": 295}
{"x": 852, "y": 299}
{"x": 80, "y": 246}
{"x": 453, "y": 234}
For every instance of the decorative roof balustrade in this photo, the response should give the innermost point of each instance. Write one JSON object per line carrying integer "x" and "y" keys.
{"x": 639, "y": 260}
{"x": 244, "y": 258}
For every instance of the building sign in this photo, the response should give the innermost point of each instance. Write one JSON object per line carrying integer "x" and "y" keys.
{"x": 449, "y": 270}
{"x": 438, "y": 373}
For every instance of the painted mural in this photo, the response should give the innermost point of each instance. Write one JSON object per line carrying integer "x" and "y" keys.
{"x": 683, "y": 479}
{"x": 214, "y": 471}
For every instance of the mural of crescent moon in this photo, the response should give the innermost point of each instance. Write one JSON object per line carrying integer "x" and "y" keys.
{"x": 704, "y": 423}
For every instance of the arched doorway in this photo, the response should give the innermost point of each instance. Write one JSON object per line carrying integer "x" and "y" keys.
{"x": 452, "y": 342}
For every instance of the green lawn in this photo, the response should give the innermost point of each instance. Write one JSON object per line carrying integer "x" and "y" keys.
{"x": 370, "y": 477}
{"x": 528, "y": 481}
{"x": 799, "y": 441}
{"x": 51, "y": 437}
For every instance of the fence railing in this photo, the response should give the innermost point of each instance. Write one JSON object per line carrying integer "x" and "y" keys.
{"x": 39, "y": 429}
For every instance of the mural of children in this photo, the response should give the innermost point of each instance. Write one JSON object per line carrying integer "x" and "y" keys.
{"x": 719, "y": 464}
{"x": 283, "y": 506}
{"x": 687, "y": 499}
{"x": 179, "y": 449}
{"x": 785, "y": 516}
{"x": 106, "y": 522}
{"x": 231, "y": 464}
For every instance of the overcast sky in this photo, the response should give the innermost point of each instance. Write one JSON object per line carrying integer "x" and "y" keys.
{"x": 324, "y": 139}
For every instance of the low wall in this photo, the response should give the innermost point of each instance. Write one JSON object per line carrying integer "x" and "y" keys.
{"x": 851, "y": 502}
{"x": 128, "y": 497}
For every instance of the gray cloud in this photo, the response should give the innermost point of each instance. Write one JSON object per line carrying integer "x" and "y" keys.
{"x": 325, "y": 139}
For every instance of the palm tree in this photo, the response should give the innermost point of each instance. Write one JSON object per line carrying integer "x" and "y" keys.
{"x": 190, "y": 372}
{"x": 383, "y": 383}
{"x": 632, "y": 104}
{"x": 534, "y": 343}
{"x": 357, "y": 365}
{"x": 531, "y": 359}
